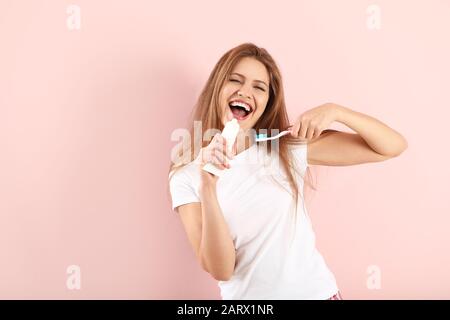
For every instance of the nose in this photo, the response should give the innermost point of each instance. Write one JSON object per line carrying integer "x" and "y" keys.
{"x": 241, "y": 94}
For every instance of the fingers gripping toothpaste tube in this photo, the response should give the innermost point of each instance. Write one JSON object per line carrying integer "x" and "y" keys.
{"x": 230, "y": 132}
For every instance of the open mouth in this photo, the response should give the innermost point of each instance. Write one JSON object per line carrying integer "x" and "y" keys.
{"x": 240, "y": 110}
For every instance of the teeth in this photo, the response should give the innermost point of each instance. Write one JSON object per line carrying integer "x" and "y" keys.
{"x": 241, "y": 104}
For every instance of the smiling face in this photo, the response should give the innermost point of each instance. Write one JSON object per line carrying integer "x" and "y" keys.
{"x": 251, "y": 79}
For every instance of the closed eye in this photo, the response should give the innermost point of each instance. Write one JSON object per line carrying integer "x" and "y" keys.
{"x": 234, "y": 80}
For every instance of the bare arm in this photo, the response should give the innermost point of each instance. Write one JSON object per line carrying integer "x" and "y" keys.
{"x": 216, "y": 246}
{"x": 377, "y": 135}
{"x": 209, "y": 236}
{"x": 191, "y": 217}
{"x": 206, "y": 227}
{"x": 373, "y": 141}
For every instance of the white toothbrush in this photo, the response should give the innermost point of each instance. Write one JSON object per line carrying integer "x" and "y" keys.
{"x": 263, "y": 136}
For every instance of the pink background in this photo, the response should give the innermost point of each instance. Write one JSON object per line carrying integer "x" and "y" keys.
{"x": 86, "y": 117}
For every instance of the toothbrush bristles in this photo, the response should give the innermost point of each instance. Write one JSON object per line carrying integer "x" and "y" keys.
{"x": 263, "y": 137}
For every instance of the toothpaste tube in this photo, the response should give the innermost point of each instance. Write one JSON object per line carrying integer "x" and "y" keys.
{"x": 230, "y": 133}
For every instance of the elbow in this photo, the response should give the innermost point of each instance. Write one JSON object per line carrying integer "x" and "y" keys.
{"x": 219, "y": 274}
{"x": 223, "y": 273}
{"x": 222, "y": 276}
{"x": 203, "y": 264}
{"x": 399, "y": 150}
{"x": 402, "y": 148}
{"x": 404, "y": 144}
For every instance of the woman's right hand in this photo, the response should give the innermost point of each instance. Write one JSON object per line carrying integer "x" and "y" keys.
{"x": 216, "y": 153}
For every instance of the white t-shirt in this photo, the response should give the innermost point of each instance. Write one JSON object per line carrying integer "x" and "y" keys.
{"x": 273, "y": 260}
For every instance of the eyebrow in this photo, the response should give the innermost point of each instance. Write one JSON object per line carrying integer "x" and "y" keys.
{"x": 244, "y": 77}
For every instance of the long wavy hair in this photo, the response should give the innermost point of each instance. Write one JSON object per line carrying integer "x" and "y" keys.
{"x": 208, "y": 111}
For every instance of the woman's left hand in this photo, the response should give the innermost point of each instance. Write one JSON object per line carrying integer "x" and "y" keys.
{"x": 311, "y": 123}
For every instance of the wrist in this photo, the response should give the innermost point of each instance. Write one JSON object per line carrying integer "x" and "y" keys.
{"x": 207, "y": 189}
{"x": 339, "y": 112}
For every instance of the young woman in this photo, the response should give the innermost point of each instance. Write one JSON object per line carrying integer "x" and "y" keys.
{"x": 247, "y": 227}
